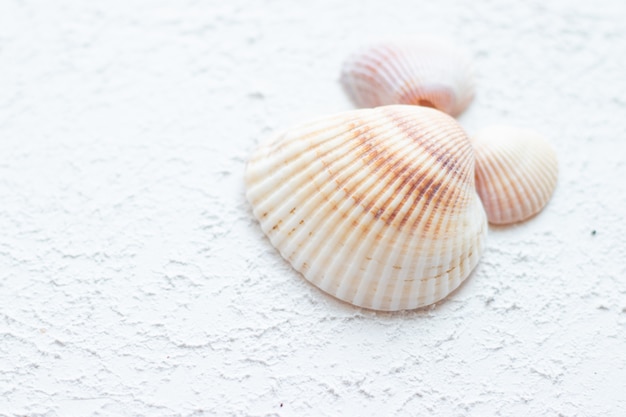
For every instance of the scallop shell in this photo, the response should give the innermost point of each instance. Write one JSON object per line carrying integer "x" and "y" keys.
{"x": 376, "y": 207}
{"x": 516, "y": 172}
{"x": 427, "y": 72}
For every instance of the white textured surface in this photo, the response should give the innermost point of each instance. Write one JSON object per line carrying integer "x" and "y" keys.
{"x": 134, "y": 280}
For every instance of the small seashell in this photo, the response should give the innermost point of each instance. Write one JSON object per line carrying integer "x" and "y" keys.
{"x": 426, "y": 71}
{"x": 377, "y": 207}
{"x": 516, "y": 172}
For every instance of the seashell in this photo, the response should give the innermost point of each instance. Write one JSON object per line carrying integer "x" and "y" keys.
{"x": 376, "y": 207}
{"x": 426, "y": 71}
{"x": 516, "y": 172}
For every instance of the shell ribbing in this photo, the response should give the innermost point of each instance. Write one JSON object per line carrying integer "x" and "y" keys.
{"x": 373, "y": 206}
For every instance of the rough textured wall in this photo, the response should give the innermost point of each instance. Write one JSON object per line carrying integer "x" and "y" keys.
{"x": 134, "y": 280}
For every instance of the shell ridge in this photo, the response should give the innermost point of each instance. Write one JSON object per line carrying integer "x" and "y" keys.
{"x": 494, "y": 189}
{"x": 497, "y": 189}
{"x": 365, "y": 287}
{"x": 427, "y": 135}
{"x": 413, "y": 218}
{"x": 285, "y": 139}
{"x": 304, "y": 176}
{"x": 537, "y": 188}
{"x": 381, "y": 252}
{"x": 416, "y": 219}
{"x": 519, "y": 181}
{"x": 335, "y": 180}
{"x": 399, "y": 285}
{"x": 425, "y": 207}
{"x": 416, "y": 290}
{"x": 398, "y": 152}
{"x": 375, "y": 70}
{"x": 320, "y": 225}
{"x": 429, "y": 152}
{"x": 452, "y": 281}
{"x": 402, "y": 72}
{"x": 367, "y": 242}
{"x": 387, "y": 185}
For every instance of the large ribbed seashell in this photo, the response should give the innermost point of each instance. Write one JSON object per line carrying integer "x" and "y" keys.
{"x": 425, "y": 71}
{"x": 516, "y": 172}
{"x": 377, "y": 207}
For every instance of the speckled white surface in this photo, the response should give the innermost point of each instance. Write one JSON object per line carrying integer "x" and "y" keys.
{"x": 134, "y": 280}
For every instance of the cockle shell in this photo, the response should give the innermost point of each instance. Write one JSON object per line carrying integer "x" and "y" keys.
{"x": 425, "y": 71}
{"x": 377, "y": 207}
{"x": 516, "y": 172}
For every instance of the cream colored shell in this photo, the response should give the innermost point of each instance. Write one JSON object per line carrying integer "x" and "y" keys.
{"x": 425, "y": 71}
{"x": 516, "y": 172}
{"x": 377, "y": 207}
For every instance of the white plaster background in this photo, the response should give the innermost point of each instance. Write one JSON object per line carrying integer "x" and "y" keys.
{"x": 134, "y": 280}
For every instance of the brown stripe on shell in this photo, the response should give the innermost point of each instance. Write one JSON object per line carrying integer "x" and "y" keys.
{"x": 389, "y": 167}
{"x": 421, "y": 186}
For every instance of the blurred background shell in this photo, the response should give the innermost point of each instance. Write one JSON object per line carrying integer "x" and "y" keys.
{"x": 426, "y": 71}
{"x": 516, "y": 172}
{"x": 377, "y": 207}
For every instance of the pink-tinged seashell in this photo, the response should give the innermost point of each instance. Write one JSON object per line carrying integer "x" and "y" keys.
{"x": 516, "y": 172}
{"x": 377, "y": 207}
{"x": 425, "y": 71}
